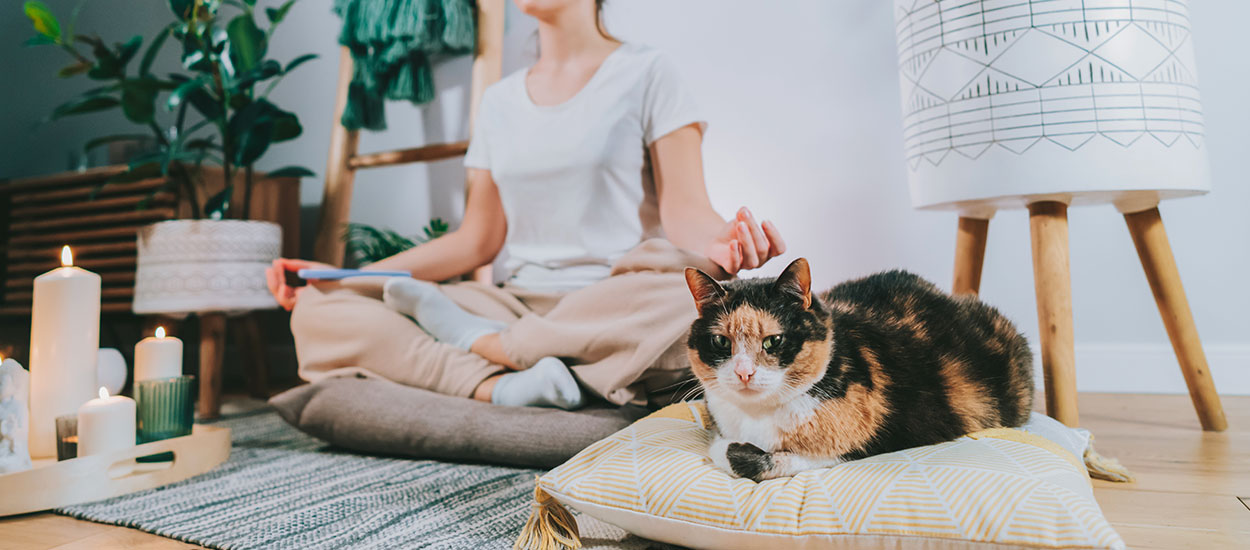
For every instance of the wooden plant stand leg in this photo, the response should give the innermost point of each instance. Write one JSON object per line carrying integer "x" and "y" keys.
{"x": 1151, "y": 241}
{"x": 969, "y": 255}
{"x": 212, "y": 352}
{"x": 252, "y": 343}
{"x": 1048, "y": 224}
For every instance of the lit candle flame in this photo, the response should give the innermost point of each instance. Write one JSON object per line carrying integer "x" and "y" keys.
{"x": 104, "y": 392}
{"x": 67, "y": 257}
{"x": 160, "y": 332}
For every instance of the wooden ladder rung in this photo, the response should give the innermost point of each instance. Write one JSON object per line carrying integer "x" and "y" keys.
{"x": 425, "y": 153}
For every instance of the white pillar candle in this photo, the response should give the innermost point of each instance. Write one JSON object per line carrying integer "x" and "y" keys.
{"x": 106, "y": 424}
{"x": 64, "y": 339}
{"x": 158, "y": 357}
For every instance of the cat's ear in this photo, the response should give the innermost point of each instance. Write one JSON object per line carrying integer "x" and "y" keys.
{"x": 796, "y": 280}
{"x": 703, "y": 287}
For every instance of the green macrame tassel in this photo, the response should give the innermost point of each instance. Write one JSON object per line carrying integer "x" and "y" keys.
{"x": 392, "y": 42}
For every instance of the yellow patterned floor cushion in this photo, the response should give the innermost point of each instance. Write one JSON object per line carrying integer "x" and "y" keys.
{"x": 994, "y": 489}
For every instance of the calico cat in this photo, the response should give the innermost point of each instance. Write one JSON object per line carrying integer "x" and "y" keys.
{"x": 796, "y": 381}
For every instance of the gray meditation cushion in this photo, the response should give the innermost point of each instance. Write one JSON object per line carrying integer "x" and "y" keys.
{"x": 382, "y": 417}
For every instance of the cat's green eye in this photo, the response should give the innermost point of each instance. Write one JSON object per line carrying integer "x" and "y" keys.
{"x": 720, "y": 341}
{"x": 773, "y": 341}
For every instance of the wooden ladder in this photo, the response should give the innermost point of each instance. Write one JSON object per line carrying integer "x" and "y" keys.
{"x": 343, "y": 160}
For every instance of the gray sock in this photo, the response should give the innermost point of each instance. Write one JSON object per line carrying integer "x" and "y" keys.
{"x": 436, "y": 313}
{"x": 546, "y": 384}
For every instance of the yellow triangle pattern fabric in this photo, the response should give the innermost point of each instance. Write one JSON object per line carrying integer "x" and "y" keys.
{"x": 999, "y": 486}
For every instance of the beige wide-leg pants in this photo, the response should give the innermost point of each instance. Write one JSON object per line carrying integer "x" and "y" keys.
{"x": 624, "y": 337}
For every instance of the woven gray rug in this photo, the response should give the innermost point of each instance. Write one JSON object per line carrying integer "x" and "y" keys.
{"x": 283, "y": 489}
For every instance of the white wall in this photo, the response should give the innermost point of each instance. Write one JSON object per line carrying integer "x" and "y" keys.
{"x": 802, "y": 98}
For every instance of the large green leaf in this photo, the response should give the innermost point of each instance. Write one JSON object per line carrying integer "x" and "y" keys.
{"x": 291, "y": 172}
{"x": 286, "y": 126}
{"x": 139, "y": 100}
{"x": 250, "y": 145}
{"x": 41, "y": 17}
{"x": 247, "y": 43}
{"x": 145, "y": 65}
{"x": 299, "y": 61}
{"x": 258, "y": 124}
{"x": 277, "y": 15}
{"x": 265, "y": 71}
{"x": 84, "y": 104}
{"x": 127, "y": 51}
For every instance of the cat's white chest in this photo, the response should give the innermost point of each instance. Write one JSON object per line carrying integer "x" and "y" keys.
{"x": 763, "y": 428}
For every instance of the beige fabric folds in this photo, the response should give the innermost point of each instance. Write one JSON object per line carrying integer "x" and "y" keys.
{"x": 623, "y": 337}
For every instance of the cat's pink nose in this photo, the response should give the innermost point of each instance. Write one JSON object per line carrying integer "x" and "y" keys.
{"x": 744, "y": 373}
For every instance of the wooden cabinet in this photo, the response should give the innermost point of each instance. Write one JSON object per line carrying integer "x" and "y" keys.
{"x": 99, "y": 221}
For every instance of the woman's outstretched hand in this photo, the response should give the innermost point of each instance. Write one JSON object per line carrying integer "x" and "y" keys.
{"x": 275, "y": 275}
{"x": 745, "y": 244}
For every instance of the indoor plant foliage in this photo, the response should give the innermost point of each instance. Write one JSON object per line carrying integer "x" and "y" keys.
{"x": 216, "y": 110}
{"x": 368, "y": 244}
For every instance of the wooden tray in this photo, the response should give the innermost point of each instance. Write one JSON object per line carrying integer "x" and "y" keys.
{"x": 51, "y": 484}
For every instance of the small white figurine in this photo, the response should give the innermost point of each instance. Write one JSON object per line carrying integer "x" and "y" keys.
{"x": 14, "y": 417}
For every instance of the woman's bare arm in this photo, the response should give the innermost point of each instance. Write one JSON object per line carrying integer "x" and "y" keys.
{"x": 687, "y": 214}
{"x": 475, "y": 243}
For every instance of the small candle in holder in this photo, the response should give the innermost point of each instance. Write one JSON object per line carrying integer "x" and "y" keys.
{"x": 66, "y": 437}
{"x": 106, "y": 424}
{"x": 166, "y": 408}
{"x": 158, "y": 357}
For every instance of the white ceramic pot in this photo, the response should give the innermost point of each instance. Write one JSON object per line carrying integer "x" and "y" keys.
{"x": 187, "y": 266}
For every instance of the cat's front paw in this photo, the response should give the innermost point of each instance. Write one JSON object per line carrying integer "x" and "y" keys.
{"x": 748, "y": 461}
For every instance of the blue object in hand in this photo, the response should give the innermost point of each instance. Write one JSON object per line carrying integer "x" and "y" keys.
{"x": 336, "y": 274}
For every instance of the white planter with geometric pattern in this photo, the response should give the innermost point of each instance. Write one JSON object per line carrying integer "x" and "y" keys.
{"x": 1009, "y": 102}
{"x": 189, "y": 266}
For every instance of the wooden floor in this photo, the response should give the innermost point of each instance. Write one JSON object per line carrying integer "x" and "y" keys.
{"x": 1186, "y": 495}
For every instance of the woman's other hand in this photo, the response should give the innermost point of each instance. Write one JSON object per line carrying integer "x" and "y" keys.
{"x": 275, "y": 275}
{"x": 744, "y": 244}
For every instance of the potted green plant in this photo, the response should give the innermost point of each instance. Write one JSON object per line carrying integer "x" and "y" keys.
{"x": 212, "y": 121}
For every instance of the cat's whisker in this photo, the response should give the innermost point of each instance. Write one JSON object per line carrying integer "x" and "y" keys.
{"x": 676, "y": 385}
{"x": 690, "y": 392}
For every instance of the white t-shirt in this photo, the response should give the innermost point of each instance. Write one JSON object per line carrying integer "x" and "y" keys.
{"x": 575, "y": 178}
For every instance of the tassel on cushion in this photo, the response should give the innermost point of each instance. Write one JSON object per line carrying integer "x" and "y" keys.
{"x": 550, "y": 527}
{"x": 1105, "y": 468}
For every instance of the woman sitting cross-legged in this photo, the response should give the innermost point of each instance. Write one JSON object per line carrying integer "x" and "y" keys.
{"x": 577, "y": 167}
